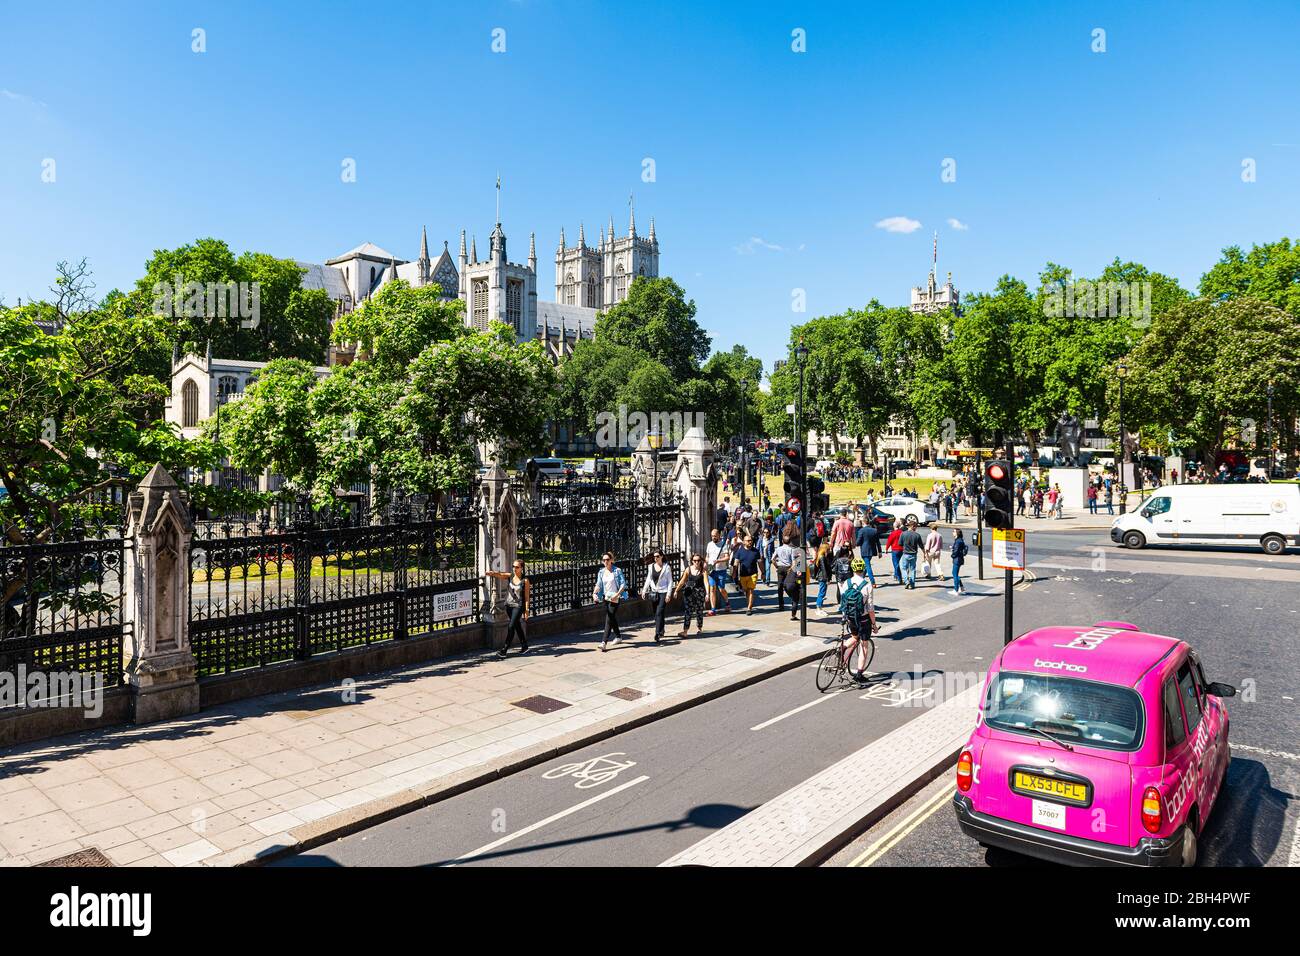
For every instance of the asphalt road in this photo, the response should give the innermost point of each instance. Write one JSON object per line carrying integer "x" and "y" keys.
{"x": 664, "y": 786}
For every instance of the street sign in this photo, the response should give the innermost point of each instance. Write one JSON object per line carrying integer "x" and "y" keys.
{"x": 793, "y": 506}
{"x": 1009, "y": 549}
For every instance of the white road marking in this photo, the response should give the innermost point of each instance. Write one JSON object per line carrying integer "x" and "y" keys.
{"x": 1266, "y": 753}
{"x": 551, "y": 819}
{"x": 800, "y": 708}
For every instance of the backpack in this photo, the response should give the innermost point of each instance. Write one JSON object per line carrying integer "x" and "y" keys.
{"x": 852, "y": 601}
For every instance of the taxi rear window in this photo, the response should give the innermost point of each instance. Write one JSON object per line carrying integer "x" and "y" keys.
{"x": 1079, "y": 712}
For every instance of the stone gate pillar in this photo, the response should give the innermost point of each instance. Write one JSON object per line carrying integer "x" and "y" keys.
{"x": 158, "y": 663}
{"x": 695, "y": 477}
{"x": 498, "y": 539}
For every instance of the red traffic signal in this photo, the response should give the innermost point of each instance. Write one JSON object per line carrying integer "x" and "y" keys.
{"x": 999, "y": 510}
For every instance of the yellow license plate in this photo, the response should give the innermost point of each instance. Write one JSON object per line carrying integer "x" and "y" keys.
{"x": 1066, "y": 790}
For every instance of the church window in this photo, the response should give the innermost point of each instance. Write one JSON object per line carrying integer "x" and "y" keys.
{"x": 227, "y": 386}
{"x": 514, "y": 304}
{"x": 480, "y": 303}
{"x": 570, "y": 290}
{"x": 592, "y": 302}
{"x": 189, "y": 404}
{"x": 620, "y": 284}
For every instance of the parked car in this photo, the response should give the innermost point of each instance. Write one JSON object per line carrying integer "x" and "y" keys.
{"x": 1095, "y": 745}
{"x": 902, "y": 506}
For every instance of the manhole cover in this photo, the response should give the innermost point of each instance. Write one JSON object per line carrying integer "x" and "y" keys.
{"x": 87, "y": 857}
{"x": 627, "y": 693}
{"x": 756, "y": 653}
{"x": 541, "y": 705}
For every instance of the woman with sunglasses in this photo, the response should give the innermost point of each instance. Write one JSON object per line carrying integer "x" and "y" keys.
{"x": 657, "y": 589}
{"x": 694, "y": 584}
{"x": 610, "y": 588}
{"x": 517, "y": 593}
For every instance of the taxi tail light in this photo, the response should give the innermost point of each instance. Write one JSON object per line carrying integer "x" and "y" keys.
{"x": 1151, "y": 813}
{"x": 964, "y": 775}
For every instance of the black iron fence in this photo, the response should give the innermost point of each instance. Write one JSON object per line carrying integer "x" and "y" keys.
{"x": 61, "y": 592}
{"x": 266, "y": 592}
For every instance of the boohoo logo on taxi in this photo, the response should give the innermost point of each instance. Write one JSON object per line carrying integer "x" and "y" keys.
{"x": 1061, "y": 666}
{"x": 76, "y": 909}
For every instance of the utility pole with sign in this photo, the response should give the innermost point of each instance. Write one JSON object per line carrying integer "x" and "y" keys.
{"x": 999, "y": 492}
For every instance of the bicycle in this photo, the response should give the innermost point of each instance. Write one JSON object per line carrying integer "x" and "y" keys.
{"x": 839, "y": 661}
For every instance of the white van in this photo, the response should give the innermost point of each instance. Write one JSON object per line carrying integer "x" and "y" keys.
{"x": 1260, "y": 514}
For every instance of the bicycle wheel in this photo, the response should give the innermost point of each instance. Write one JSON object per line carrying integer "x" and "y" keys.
{"x": 861, "y": 658}
{"x": 828, "y": 670}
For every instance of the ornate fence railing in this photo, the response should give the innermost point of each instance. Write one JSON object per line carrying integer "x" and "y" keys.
{"x": 263, "y": 593}
{"x": 61, "y": 599}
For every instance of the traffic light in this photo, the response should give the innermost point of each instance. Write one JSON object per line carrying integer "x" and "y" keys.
{"x": 999, "y": 493}
{"x": 818, "y": 500}
{"x": 792, "y": 465}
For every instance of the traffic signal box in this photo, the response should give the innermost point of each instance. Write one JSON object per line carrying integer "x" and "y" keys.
{"x": 792, "y": 466}
{"x": 999, "y": 493}
{"x": 816, "y": 496}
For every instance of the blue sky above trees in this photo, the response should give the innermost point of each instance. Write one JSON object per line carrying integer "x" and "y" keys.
{"x": 772, "y": 167}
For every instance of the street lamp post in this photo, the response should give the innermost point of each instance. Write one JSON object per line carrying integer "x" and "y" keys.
{"x": 655, "y": 440}
{"x": 744, "y": 449}
{"x": 1122, "y": 372}
{"x": 1268, "y": 437}
{"x": 801, "y": 520}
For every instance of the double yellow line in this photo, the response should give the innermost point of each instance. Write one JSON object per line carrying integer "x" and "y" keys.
{"x": 914, "y": 820}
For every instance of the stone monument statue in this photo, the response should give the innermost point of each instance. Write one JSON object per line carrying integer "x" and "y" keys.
{"x": 1068, "y": 431}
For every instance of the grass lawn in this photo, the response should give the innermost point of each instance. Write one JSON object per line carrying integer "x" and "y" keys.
{"x": 841, "y": 492}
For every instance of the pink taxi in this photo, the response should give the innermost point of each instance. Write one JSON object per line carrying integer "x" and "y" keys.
{"x": 1095, "y": 745}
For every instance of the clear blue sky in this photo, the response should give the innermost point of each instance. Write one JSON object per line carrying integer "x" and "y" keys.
{"x": 773, "y": 167}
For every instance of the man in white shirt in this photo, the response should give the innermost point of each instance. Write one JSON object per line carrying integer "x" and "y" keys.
{"x": 717, "y": 557}
{"x": 932, "y": 546}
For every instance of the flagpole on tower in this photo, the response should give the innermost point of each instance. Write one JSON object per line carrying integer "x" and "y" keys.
{"x": 498, "y": 198}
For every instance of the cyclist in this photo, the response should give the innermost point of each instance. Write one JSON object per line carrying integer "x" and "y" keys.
{"x": 857, "y": 606}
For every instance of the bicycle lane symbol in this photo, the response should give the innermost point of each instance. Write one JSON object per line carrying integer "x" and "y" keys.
{"x": 593, "y": 772}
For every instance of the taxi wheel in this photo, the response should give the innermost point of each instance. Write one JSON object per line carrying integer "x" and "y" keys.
{"x": 1189, "y": 845}
{"x": 1134, "y": 540}
{"x": 910, "y": 518}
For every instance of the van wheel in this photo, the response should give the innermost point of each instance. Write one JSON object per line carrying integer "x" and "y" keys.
{"x": 1273, "y": 544}
{"x": 1134, "y": 540}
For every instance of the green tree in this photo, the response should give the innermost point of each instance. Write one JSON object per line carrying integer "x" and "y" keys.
{"x": 1202, "y": 371}
{"x": 657, "y": 320}
{"x": 1270, "y": 273}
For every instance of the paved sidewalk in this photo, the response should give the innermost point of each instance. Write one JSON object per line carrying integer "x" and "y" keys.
{"x": 812, "y": 819}
{"x": 256, "y": 776}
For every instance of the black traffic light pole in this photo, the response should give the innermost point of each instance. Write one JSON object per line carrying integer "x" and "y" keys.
{"x": 801, "y": 519}
{"x": 1008, "y": 629}
{"x": 979, "y": 511}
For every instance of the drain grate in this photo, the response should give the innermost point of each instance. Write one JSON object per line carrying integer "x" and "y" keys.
{"x": 539, "y": 704}
{"x": 627, "y": 693}
{"x": 756, "y": 653}
{"x": 88, "y": 857}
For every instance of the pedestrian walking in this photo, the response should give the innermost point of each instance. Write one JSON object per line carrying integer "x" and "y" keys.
{"x": 796, "y": 577}
{"x": 718, "y": 557}
{"x": 610, "y": 588}
{"x": 823, "y": 570}
{"x": 1092, "y": 498}
{"x": 1110, "y": 500}
{"x": 693, "y": 587}
{"x": 910, "y": 544}
{"x": 744, "y": 563}
{"x": 933, "y": 548}
{"x": 518, "y": 591}
{"x": 782, "y": 559}
{"x": 868, "y": 542}
{"x": 896, "y": 550}
{"x": 958, "y": 556}
{"x": 658, "y": 586}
